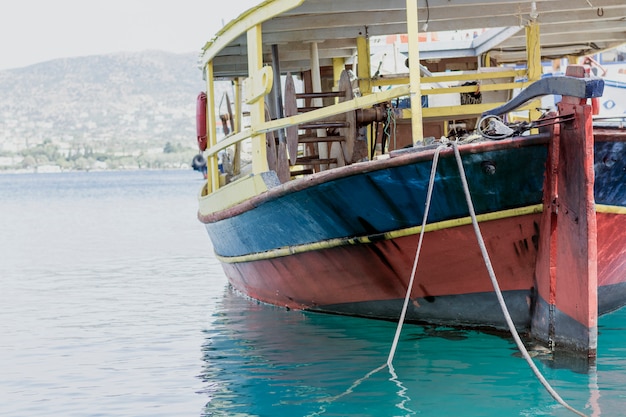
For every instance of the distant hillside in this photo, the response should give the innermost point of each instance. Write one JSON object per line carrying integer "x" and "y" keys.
{"x": 106, "y": 111}
{"x": 104, "y": 100}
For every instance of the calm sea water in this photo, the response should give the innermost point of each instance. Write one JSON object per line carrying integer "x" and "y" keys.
{"x": 111, "y": 304}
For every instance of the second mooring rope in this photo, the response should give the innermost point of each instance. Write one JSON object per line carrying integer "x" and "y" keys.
{"x": 496, "y": 288}
{"x": 492, "y": 276}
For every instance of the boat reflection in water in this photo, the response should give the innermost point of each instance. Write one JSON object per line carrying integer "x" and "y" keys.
{"x": 261, "y": 360}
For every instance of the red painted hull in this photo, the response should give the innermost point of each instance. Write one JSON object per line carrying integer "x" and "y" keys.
{"x": 450, "y": 264}
{"x": 611, "y": 260}
{"x": 353, "y": 279}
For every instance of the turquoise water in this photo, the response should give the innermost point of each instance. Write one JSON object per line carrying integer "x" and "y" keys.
{"x": 112, "y": 305}
{"x": 266, "y": 361}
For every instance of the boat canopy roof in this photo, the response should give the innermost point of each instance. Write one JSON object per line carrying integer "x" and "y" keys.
{"x": 567, "y": 28}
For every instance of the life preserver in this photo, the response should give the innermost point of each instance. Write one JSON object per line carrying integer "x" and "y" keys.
{"x": 201, "y": 109}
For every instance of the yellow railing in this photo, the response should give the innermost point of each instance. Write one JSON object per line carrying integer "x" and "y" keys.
{"x": 397, "y": 87}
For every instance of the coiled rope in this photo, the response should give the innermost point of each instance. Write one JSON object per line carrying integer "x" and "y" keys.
{"x": 492, "y": 276}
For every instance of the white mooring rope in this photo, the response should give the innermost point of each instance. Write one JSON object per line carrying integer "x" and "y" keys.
{"x": 492, "y": 276}
{"x": 429, "y": 194}
{"x": 496, "y": 288}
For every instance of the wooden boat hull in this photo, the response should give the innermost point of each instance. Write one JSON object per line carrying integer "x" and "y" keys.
{"x": 344, "y": 241}
{"x": 370, "y": 280}
{"x": 610, "y": 199}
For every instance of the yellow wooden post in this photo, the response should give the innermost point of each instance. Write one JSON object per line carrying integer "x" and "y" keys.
{"x": 237, "y": 105}
{"x": 339, "y": 65}
{"x": 213, "y": 175}
{"x": 415, "y": 86}
{"x": 256, "y": 88}
{"x": 533, "y": 58}
{"x": 487, "y": 59}
{"x": 363, "y": 71}
{"x": 238, "y": 122}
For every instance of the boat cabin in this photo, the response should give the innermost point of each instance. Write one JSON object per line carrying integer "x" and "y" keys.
{"x": 305, "y": 86}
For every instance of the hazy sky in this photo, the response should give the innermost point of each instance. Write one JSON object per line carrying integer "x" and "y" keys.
{"x": 33, "y": 31}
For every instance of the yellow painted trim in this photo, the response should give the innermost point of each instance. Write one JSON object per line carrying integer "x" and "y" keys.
{"x": 533, "y": 51}
{"x": 257, "y": 109}
{"x": 473, "y": 88}
{"x": 386, "y": 81}
{"x": 238, "y": 100}
{"x": 258, "y": 85}
{"x": 213, "y": 178}
{"x": 363, "y": 65}
{"x": 325, "y": 112}
{"x": 533, "y": 59}
{"x": 247, "y": 20}
{"x": 235, "y": 193}
{"x": 454, "y": 76}
{"x": 602, "y": 208}
{"x": 333, "y": 243}
{"x": 471, "y": 76}
{"x": 339, "y": 65}
{"x": 238, "y": 115}
{"x": 229, "y": 140}
{"x": 412, "y": 20}
{"x": 356, "y": 103}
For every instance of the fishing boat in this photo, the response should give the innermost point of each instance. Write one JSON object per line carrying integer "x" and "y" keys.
{"x": 438, "y": 193}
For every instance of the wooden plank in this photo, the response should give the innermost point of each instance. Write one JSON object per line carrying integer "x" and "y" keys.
{"x": 566, "y": 310}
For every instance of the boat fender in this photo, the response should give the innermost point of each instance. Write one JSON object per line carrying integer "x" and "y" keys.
{"x": 201, "y": 109}
{"x": 198, "y": 163}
